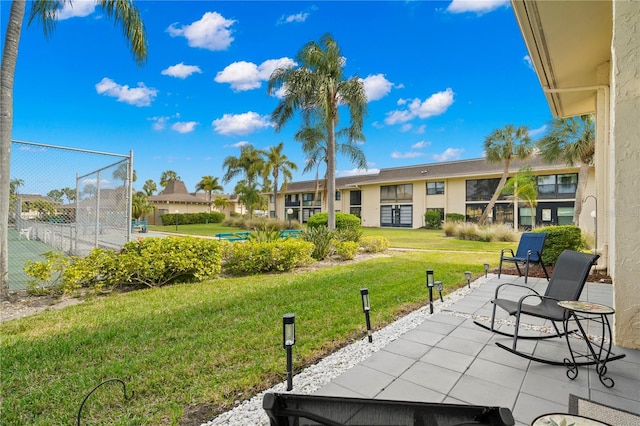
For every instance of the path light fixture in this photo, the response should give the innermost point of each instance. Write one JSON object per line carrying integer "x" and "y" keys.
{"x": 467, "y": 276}
{"x": 177, "y": 220}
{"x": 594, "y": 215}
{"x": 289, "y": 213}
{"x": 486, "y": 270}
{"x": 439, "y": 287}
{"x": 288, "y": 340}
{"x": 366, "y": 307}
{"x": 430, "y": 284}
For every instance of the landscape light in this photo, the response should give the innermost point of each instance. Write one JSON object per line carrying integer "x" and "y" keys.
{"x": 289, "y": 213}
{"x": 288, "y": 340}
{"x": 177, "y": 219}
{"x": 439, "y": 287}
{"x": 467, "y": 275}
{"x": 486, "y": 270}
{"x": 430, "y": 283}
{"x": 366, "y": 307}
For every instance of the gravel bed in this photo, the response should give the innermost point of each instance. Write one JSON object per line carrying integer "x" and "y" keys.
{"x": 311, "y": 379}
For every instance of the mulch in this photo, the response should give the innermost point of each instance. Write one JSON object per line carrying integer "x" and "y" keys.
{"x": 537, "y": 272}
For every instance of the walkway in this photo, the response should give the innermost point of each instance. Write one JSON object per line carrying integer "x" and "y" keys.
{"x": 449, "y": 359}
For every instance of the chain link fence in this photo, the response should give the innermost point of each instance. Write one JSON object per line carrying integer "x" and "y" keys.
{"x": 65, "y": 199}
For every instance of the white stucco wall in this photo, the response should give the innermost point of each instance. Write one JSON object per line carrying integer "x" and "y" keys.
{"x": 625, "y": 172}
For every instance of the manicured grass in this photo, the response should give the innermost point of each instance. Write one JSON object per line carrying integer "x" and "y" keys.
{"x": 201, "y": 347}
{"x": 209, "y": 229}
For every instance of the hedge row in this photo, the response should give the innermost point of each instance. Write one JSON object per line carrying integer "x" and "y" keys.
{"x": 191, "y": 218}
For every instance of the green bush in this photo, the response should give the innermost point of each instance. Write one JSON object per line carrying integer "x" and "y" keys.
{"x": 151, "y": 262}
{"x": 374, "y": 244}
{"x": 343, "y": 220}
{"x": 191, "y": 218}
{"x": 346, "y": 250}
{"x": 473, "y": 232}
{"x": 321, "y": 238}
{"x": 432, "y": 220}
{"x": 255, "y": 257}
{"x": 559, "y": 239}
{"x": 454, "y": 217}
{"x": 347, "y": 234}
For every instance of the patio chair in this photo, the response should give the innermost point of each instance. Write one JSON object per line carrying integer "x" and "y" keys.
{"x": 567, "y": 281}
{"x": 529, "y": 251}
{"x": 25, "y": 232}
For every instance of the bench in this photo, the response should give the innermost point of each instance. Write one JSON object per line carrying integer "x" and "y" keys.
{"x": 233, "y": 236}
{"x": 290, "y": 233}
{"x": 139, "y": 225}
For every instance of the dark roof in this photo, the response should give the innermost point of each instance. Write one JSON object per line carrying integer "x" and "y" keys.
{"x": 176, "y": 192}
{"x": 429, "y": 171}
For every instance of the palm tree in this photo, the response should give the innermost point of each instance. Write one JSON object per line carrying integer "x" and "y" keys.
{"x": 149, "y": 187}
{"x": 70, "y": 194}
{"x": 209, "y": 184}
{"x": 140, "y": 205}
{"x": 318, "y": 88}
{"x": 123, "y": 12}
{"x": 277, "y": 163}
{"x": 14, "y": 184}
{"x": 248, "y": 194}
{"x": 523, "y": 186}
{"x": 221, "y": 203}
{"x": 250, "y": 163}
{"x": 501, "y": 146}
{"x": 55, "y": 195}
{"x": 168, "y": 176}
{"x": 571, "y": 140}
{"x": 314, "y": 145}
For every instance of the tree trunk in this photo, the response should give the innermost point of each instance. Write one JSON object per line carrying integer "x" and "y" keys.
{"x": 494, "y": 198}
{"x": 331, "y": 175}
{"x": 275, "y": 195}
{"x": 583, "y": 176}
{"x": 7, "y": 73}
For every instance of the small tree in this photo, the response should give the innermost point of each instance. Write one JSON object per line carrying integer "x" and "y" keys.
{"x": 523, "y": 187}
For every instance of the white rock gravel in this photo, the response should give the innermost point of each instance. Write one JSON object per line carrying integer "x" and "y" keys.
{"x": 311, "y": 379}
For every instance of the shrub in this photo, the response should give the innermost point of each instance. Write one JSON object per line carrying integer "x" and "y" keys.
{"x": 473, "y": 232}
{"x": 46, "y": 276}
{"x": 191, "y": 218}
{"x": 454, "y": 217}
{"x": 346, "y": 250}
{"x": 559, "y": 239}
{"x": 254, "y": 257}
{"x": 321, "y": 239}
{"x": 265, "y": 234}
{"x": 347, "y": 235}
{"x": 343, "y": 220}
{"x": 432, "y": 220}
{"x": 374, "y": 244}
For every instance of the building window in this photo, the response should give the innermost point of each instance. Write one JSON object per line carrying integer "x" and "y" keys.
{"x": 292, "y": 200}
{"x": 356, "y": 211}
{"x": 307, "y": 199}
{"x": 435, "y": 188}
{"x": 395, "y": 193}
{"x": 567, "y": 184}
{"x": 355, "y": 198}
{"x": 557, "y": 186}
{"x": 307, "y": 213}
{"x": 565, "y": 215}
{"x": 396, "y": 216}
{"x": 338, "y": 196}
{"x": 525, "y": 216}
{"x": 482, "y": 189}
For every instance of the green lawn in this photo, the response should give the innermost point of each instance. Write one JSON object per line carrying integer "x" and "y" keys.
{"x": 198, "y": 348}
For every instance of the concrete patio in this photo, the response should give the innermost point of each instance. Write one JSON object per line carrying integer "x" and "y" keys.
{"x": 449, "y": 359}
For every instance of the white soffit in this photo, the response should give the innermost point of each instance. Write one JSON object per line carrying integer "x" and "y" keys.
{"x": 567, "y": 42}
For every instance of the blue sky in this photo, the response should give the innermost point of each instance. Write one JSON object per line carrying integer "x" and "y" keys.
{"x": 440, "y": 76}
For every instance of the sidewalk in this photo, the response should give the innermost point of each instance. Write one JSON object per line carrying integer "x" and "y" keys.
{"x": 449, "y": 359}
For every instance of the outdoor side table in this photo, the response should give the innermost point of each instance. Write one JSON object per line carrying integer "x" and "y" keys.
{"x": 599, "y": 352}
{"x": 554, "y": 419}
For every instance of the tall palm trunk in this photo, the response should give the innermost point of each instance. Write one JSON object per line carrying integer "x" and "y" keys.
{"x": 275, "y": 194}
{"x": 494, "y": 198}
{"x": 331, "y": 174}
{"x": 7, "y": 73}
{"x": 583, "y": 175}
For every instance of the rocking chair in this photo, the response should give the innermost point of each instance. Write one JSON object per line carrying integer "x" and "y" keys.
{"x": 567, "y": 281}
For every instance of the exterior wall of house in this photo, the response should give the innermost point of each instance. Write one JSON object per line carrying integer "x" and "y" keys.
{"x": 624, "y": 217}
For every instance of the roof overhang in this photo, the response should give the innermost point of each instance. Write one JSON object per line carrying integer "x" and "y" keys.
{"x": 567, "y": 41}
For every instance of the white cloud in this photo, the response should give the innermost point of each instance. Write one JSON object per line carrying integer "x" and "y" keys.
{"x": 357, "y": 172}
{"x": 535, "y": 132}
{"x": 377, "y": 125}
{"x": 476, "y": 6}
{"x": 436, "y": 104}
{"x": 420, "y": 145}
{"x": 244, "y": 75}
{"x": 406, "y": 127}
{"x": 184, "y": 126}
{"x": 211, "y": 32}
{"x": 240, "y": 144}
{"x": 527, "y": 60}
{"x": 420, "y": 129}
{"x": 376, "y": 86}
{"x": 240, "y": 124}
{"x": 298, "y": 17}
{"x": 138, "y": 96}
{"x": 449, "y": 154}
{"x": 76, "y": 9}
{"x": 159, "y": 123}
{"x": 181, "y": 70}
{"x": 399, "y": 155}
